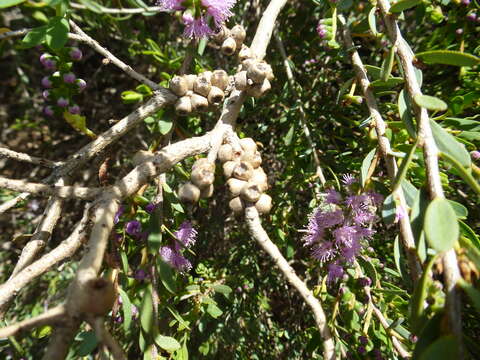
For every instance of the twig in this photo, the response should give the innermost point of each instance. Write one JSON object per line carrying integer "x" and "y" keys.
{"x": 27, "y": 158}
{"x": 430, "y": 151}
{"x": 306, "y": 130}
{"x": 406, "y": 232}
{"x": 119, "y": 11}
{"x": 14, "y": 33}
{"x": 126, "y": 68}
{"x": 48, "y": 190}
{"x": 49, "y": 317}
{"x": 259, "y": 234}
{"x": 64, "y": 250}
{"x": 106, "y": 338}
{"x": 13, "y": 202}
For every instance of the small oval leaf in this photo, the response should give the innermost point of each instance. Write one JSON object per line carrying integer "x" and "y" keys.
{"x": 449, "y": 145}
{"x": 448, "y": 57}
{"x": 430, "y": 102}
{"x": 441, "y": 225}
{"x": 167, "y": 343}
{"x": 402, "y": 5}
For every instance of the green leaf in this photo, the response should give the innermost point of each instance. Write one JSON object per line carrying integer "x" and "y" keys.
{"x": 448, "y": 57}
{"x": 385, "y": 85}
{"x": 472, "y": 293}
{"x": 373, "y": 72}
{"x": 372, "y": 21}
{"x": 402, "y": 5}
{"x": 417, "y": 219}
{"x": 214, "y": 311}
{"x": 88, "y": 343}
{"x": 167, "y": 343}
{"x": 57, "y": 32}
{"x": 146, "y": 310}
{"x": 404, "y": 110}
{"x": 34, "y": 37}
{"x": 165, "y": 126}
{"x": 8, "y": 3}
{"x": 389, "y": 210}
{"x": 429, "y": 333}
{"x": 460, "y": 210}
{"x": 430, "y": 102}
{"x": 130, "y": 96}
{"x": 79, "y": 123}
{"x": 222, "y": 289}
{"x": 441, "y": 225}
{"x": 366, "y": 166}
{"x": 369, "y": 270}
{"x": 449, "y": 145}
{"x": 387, "y": 65}
{"x": 445, "y": 348}
{"x": 92, "y": 6}
{"x": 127, "y": 309}
{"x": 289, "y": 136}
{"x": 166, "y": 275}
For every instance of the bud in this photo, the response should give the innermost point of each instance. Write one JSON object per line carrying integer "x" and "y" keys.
{"x": 264, "y": 204}
{"x": 62, "y": 102}
{"x": 46, "y": 83}
{"x": 199, "y": 103}
{"x": 183, "y": 106}
{"x": 75, "y": 109}
{"x": 81, "y": 84}
{"x": 45, "y": 94}
{"x": 243, "y": 171}
{"x": 178, "y": 85}
{"x": 235, "y": 186}
{"x": 220, "y": 79}
{"x": 202, "y": 85}
{"x": 215, "y": 96}
{"x": 47, "y": 110}
{"x": 229, "y": 46}
{"x": 69, "y": 78}
{"x": 75, "y": 54}
{"x": 236, "y": 205}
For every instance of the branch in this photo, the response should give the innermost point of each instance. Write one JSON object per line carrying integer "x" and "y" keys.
{"x": 119, "y": 11}
{"x": 406, "y": 232}
{"x": 48, "y": 190}
{"x": 119, "y": 63}
{"x": 64, "y": 250}
{"x": 49, "y": 317}
{"x": 104, "y": 336}
{"x": 27, "y": 158}
{"x": 258, "y": 233}
{"x": 430, "y": 151}
{"x": 14, "y": 202}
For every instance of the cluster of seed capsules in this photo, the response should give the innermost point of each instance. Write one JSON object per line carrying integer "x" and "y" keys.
{"x": 246, "y": 182}
{"x": 197, "y": 93}
{"x": 62, "y": 84}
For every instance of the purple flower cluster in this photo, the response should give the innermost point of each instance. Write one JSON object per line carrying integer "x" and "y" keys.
{"x": 195, "y": 15}
{"x": 337, "y": 230}
{"x": 186, "y": 236}
{"x": 61, "y": 81}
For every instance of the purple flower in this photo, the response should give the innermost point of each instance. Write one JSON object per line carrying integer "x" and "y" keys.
{"x": 133, "y": 228}
{"x": 195, "y": 28}
{"x": 170, "y": 5}
{"x": 363, "y": 282}
{"x": 75, "y": 109}
{"x": 140, "y": 275}
{"x": 361, "y": 349}
{"x": 45, "y": 94}
{"x": 220, "y": 10}
{"x": 50, "y": 64}
{"x": 46, "y": 83}
{"x": 475, "y": 155}
{"x": 345, "y": 235}
{"x": 459, "y": 31}
{"x": 321, "y": 31}
{"x": 400, "y": 213}
{"x": 119, "y": 213}
{"x": 348, "y": 179}
{"x": 150, "y": 208}
{"x": 62, "y": 102}
{"x": 81, "y": 84}
{"x": 69, "y": 78}
{"x": 175, "y": 259}
{"x": 472, "y": 17}
{"x": 333, "y": 197}
{"x": 75, "y": 53}
{"x": 44, "y": 57}
{"x": 47, "y": 110}
{"x": 186, "y": 234}
{"x": 375, "y": 198}
{"x": 334, "y": 272}
{"x": 134, "y": 312}
{"x": 324, "y": 252}
{"x": 363, "y": 340}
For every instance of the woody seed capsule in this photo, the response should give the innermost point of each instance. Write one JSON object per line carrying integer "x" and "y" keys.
{"x": 244, "y": 53}
{"x": 259, "y": 89}
{"x": 202, "y": 177}
{"x": 220, "y": 79}
{"x": 260, "y": 178}
{"x": 236, "y": 205}
{"x": 241, "y": 82}
{"x": 248, "y": 145}
{"x": 229, "y": 46}
{"x": 264, "y": 204}
{"x": 188, "y": 193}
{"x": 235, "y": 186}
{"x": 199, "y": 103}
{"x": 228, "y": 168}
{"x": 251, "y": 192}
{"x": 225, "y": 153}
{"x": 202, "y": 85}
{"x": 215, "y": 96}
{"x": 239, "y": 34}
{"x": 183, "y": 106}
{"x": 257, "y": 72}
{"x": 206, "y": 192}
{"x": 221, "y": 35}
{"x": 178, "y": 85}
{"x": 243, "y": 171}
{"x": 190, "y": 80}
{"x": 204, "y": 163}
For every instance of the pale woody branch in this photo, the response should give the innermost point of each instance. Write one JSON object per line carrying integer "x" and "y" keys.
{"x": 14, "y": 155}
